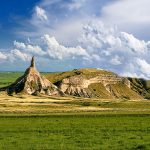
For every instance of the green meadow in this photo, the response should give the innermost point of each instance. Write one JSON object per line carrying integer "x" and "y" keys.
{"x": 75, "y": 132}
{"x": 7, "y": 78}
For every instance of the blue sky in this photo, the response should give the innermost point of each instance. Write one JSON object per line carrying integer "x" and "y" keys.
{"x": 68, "y": 34}
{"x": 11, "y": 13}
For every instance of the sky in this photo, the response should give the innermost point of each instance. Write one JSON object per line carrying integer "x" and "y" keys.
{"x": 70, "y": 34}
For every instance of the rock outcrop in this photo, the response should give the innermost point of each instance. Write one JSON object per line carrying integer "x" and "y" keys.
{"x": 32, "y": 83}
{"x": 78, "y": 85}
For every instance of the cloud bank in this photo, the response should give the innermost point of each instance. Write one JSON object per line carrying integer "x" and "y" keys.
{"x": 100, "y": 46}
{"x": 116, "y": 50}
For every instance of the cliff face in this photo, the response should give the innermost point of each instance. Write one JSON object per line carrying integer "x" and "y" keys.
{"x": 81, "y": 81}
{"x": 76, "y": 85}
{"x": 32, "y": 83}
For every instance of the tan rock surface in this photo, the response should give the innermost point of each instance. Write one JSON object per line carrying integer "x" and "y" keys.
{"x": 78, "y": 85}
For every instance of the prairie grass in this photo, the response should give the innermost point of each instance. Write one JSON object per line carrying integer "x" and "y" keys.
{"x": 75, "y": 132}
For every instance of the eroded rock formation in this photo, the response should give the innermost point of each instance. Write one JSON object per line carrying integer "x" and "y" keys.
{"x": 32, "y": 83}
{"x": 78, "y": 85}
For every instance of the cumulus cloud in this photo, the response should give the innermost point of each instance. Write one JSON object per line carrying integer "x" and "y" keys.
{"x": 19, "y": 44}
{"x": 63, "y": 19}
{"x": 57, "y": 51}
{"x": 100, "y": 46}
{"x": 41, "y": 13}
{"x": 16, "y": 54}
{"x": 2, "y": 56}
{"x": 133, "y": 43}
{"x": 48, "y": 48}
{"x": 32, "y": 49}
{"x": 144, "y": 66}
{"x": 12, "y": 56}
{"x": 118, "y": 51}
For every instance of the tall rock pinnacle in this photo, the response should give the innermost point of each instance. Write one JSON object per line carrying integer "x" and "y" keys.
{"x": 32, "y": 62}
{"x": 32, "y": 83}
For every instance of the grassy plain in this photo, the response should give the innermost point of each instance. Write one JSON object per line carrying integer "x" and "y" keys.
{"x": 7, "y": 78}
{"x": 75, "y": 132}
{"x": 68, "y": 123}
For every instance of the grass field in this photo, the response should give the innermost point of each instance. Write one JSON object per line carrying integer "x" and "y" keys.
{"x": 67, "y": 123}
{"x": 7, "y": 78}
{"x": 75, "y": 132}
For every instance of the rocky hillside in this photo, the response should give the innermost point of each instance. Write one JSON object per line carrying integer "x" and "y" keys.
{"x": 141, "y": 86}
{"x": 94, "y": 83}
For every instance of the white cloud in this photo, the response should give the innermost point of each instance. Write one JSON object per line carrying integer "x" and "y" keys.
{"x": 57, "y": 51}
{"x": 19, "y": 45}
{"x": 75, "y": 4}
{"x": 41, "y": 13}
{"x": 15, "y": 54}
{"x": 28, "y": 48}
{"x": 35, "y": 49}
{"x": 48, "y": 48}
{"x": 129, "y": 15}
{"x": 2, "y": 56}
{"x": 133, "y": 43}
{"x": 118, "y": 51}
{"x": 144, "y": 67}
{"x": 116, "y": 60}
{"x": 127, "y": 11}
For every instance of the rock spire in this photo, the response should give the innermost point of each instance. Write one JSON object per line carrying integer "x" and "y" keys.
{"x": 32, "y": 62}
{"x": 32, "y": 83}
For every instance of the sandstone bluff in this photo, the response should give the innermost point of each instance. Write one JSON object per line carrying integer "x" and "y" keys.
{"x": 81, "y": 82}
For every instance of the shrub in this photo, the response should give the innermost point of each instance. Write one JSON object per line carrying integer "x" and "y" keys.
{"x": 147, "y": 96}
{"x": 86, "y": 104}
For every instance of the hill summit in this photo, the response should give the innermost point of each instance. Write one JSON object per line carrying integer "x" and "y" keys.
{"x": 32, "y": 83}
